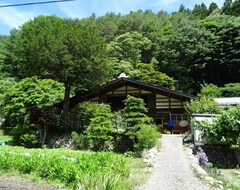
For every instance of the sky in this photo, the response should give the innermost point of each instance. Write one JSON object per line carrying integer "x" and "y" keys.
{"x": 13, "y": 17}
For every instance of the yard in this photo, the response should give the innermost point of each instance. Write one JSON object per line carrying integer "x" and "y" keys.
{"x": 70, "y": 168}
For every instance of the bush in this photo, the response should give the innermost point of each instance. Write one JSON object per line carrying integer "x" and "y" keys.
{"x": 146, "y": 137}
{"x": 231, "y": 90}
{"x": 211, "y": 91}
{"x": 23, "y": 135}
{"x": 99, "y": 127}
{"x": 203, "y": 105}
{"x": 81, "y": 141}
{"x": 226, "y": 128}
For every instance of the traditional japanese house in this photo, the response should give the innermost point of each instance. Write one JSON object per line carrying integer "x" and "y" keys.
{"x": 165, "y": 106}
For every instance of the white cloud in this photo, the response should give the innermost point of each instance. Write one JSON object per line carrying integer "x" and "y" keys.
{"x": 164, "y": 2}
{"x": 73, "y": 9}
{"x": 13, "y": 18}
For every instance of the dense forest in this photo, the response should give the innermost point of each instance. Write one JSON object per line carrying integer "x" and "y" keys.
{"x": 182, "y": 50}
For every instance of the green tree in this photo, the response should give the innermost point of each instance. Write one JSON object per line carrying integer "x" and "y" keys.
{"x": 63, "y": 50}
{"x": 222, "y": 65}
{"x": 213, "y": 6}
{"x": 200, "y": 11}
{"x": 231, "y": 90}
{"x": 100, "y": 128}
{"x": 147, "y": 74}
{"x": 227, "y": 7}
{"x": 211, "y": 91}
{"x": 134, "y": 117}
{"x": 129, "y": 47}
{"x": 5, "y": 84}
{"x": 3, "y": 53}
{"x": 231, "y": 7}
{"x": 27, "y": 93}
{"x": 97, "y": 126}
{"x": 184, "y": 52}
{"x": 203, "y": 105}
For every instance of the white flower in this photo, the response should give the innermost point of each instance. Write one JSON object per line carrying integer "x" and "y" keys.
{"x": 72, "y": 159}
{"x": 41, "y": 155}
{"x": 63, "y": 157}
{"x": 27, "y": 154}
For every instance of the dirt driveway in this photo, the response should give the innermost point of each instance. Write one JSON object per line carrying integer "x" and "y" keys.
{"x": 15, "y": 183}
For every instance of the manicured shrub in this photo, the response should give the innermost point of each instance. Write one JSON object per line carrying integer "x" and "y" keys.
{"x": 24, "y": 135}
{"x": 81, "y": 141}
{"x": 146, "y": 137}
{"x": 134, "y": 118}
{"x": 97, "y": 133}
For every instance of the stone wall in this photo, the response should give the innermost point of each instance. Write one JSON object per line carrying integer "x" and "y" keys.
{"x": 220, "y": 155}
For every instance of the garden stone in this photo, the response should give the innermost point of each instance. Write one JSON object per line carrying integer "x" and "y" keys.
{"x": 220, "y": 187}
{"x": 210, "y": 179}
{"x": 219, "y": 182}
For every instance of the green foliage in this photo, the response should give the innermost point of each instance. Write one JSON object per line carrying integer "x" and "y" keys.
{"x": 30, "y": 92}
{"x": 202, "y": 105}
{"x": 29, "y": 140}
{"x": 129, "y": 47}
{"x": 81, "y": 141}
{"x": 3, "y": 55}
{"x": 4, "y": 85}
{"x": 231, "y": 7}
{"x": 135, "y": 112}
{"x": 200, "y": 11}
{"x": 97, "y": 126}
{"x": 147, "y": 137}
{"x": 211, "y": 91}
{"x": 100, "y": 128}
{"x": 69, "y": 167}
{"x": 225, "y": 128}
{"x": 147, "y": 74}
{"x": 64, "y": 50}
{"x": 24, "y": 135}
{"x": 231, "y": 90}
{"x": 134, "y": 117}
{"x": 224, "y": 60}
{"x": 107, "y": 182}
{"x": 85, "y": 111}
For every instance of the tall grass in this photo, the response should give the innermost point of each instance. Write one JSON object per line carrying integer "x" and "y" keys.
{"x": 76, "y": 169}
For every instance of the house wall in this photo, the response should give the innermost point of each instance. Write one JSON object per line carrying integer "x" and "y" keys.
{"x": 160, "y": 107}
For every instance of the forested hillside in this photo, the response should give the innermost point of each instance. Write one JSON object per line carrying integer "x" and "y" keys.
{"x": 181, "y": 50}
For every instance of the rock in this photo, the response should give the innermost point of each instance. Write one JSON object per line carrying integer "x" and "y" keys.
{"x": 199, "y": 169}
{"x": 220, "y": 187}
{"x": 219, "y": 182}
{"x": 211, "y": 180}
{"x": 236, "y": 173}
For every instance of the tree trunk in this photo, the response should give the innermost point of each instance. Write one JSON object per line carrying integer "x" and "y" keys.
{"x": 66, "y": 101}
{"x": 238, "y": 155}
{"x": 44, "y": 135}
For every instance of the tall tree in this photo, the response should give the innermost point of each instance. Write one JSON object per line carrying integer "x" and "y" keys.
{"x": 200, "y": 11}
{"x": 213, "y": 6}
{"x": 129, "y": 47}
{"x": 51, "y": 47}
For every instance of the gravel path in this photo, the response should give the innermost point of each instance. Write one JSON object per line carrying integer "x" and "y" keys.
{"x": 172, "y": 170}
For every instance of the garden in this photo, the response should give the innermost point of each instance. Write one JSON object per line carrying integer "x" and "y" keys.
{"x": 102, "y": 152}
{"x": 220, "y": 154}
